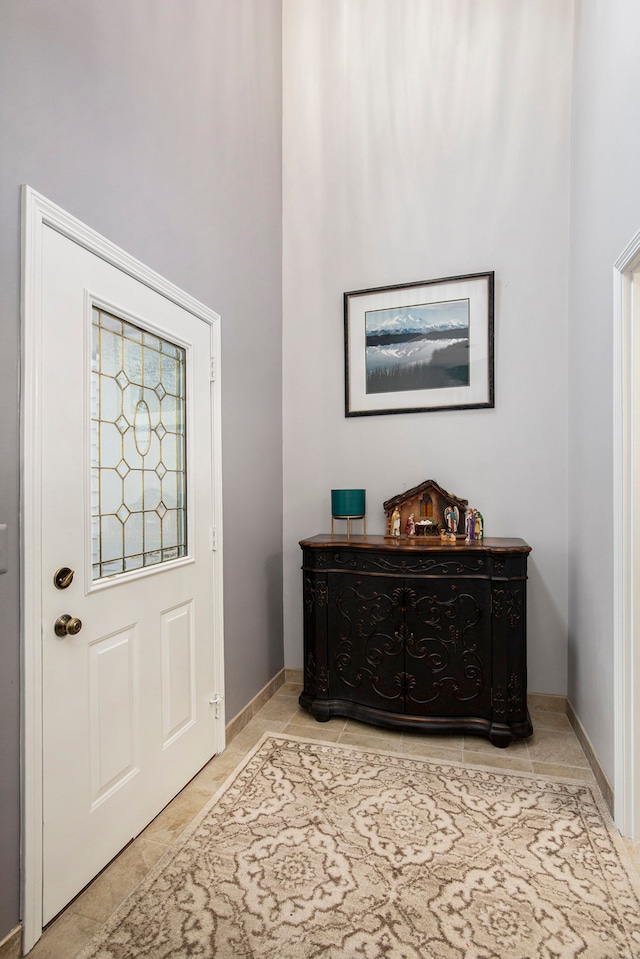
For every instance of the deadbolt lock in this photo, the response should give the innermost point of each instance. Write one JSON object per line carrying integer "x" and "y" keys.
{"x": 63, "y": 577}
{"x": 67, "y": 625}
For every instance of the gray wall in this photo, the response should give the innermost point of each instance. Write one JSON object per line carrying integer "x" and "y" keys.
{"x": 159, "y": 125}
{"x": 436, "y": 147}
{"x": 605, "y": 216}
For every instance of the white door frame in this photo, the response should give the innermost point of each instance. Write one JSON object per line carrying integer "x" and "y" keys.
{"x": 626, "y": 549}
{"x": 38, "y": 213}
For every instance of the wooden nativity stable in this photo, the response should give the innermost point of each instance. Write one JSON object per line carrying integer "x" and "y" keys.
{"x": 426, "y": 503}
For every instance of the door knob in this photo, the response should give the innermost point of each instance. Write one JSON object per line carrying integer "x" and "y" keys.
{"x": 67, "y": 625}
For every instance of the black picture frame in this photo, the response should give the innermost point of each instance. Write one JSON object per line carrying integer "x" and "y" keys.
{"x": 420, "y": 347}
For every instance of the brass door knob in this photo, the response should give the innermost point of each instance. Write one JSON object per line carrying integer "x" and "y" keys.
{"x": 67, "y": 625}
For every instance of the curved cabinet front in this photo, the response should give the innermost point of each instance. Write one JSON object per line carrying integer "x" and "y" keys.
{"x": 417, "y": 636}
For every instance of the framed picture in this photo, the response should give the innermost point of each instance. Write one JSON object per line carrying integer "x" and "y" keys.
{"x": 420, "y": 347}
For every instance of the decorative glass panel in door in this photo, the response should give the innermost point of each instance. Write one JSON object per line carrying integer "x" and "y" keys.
{"x": 138, "y": 471}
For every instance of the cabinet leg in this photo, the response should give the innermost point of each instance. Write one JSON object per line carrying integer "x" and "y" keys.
{"x": 500, "y": 736}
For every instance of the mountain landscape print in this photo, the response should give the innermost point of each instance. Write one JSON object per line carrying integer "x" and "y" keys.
{"x": 419, "y": 347}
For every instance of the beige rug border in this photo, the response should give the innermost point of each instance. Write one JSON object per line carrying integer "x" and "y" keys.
{"x": 114, "y": 920}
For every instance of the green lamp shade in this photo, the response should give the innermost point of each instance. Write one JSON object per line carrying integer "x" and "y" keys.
{"x": 347, "y": 502}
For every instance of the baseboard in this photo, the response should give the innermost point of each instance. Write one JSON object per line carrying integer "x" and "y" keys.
{"x": 248, "y": 712}
{"x": 547, "y": 701}
{"x": 11, "y": 945}
{"x": 601, "y": 778}
{"x": 294, "y": 675}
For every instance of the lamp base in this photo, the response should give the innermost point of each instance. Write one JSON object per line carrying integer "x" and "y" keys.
{"x": 348, "y": 519}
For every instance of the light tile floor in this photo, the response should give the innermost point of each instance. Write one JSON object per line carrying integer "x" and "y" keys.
{"x": 552, "y": 750}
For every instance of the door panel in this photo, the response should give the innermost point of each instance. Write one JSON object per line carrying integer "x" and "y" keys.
{"x": 367, "y": 664}
{"x": 126, "y": 714}
{"x": 414, "y": 646}
{"x": 448, "y": 653}
{"x": 178, "y": 671}
{"x": 113, "y": 691}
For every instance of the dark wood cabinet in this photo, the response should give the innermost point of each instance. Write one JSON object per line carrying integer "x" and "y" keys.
{"x": 417, "y": 633}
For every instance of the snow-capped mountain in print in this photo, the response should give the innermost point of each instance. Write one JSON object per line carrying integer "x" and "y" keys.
{"x": 423, "y": 318}
{"x": 418, "y": 347}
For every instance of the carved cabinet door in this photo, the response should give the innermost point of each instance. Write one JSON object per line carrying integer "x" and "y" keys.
{"x": 421, "y": 647}
{"x": 447, "y": 638}
{"x": 366, "y": 655}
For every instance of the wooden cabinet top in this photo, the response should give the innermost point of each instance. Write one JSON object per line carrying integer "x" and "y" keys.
{"x": 414, "y": 544}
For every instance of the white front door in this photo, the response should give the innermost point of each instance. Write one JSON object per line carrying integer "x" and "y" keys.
{"x": 127, "y": 504}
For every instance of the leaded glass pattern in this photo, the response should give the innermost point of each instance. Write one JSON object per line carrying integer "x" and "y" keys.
{"x": 138, "y": 438}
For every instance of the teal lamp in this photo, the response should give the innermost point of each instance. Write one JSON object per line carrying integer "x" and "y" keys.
{"x": 348, "y": 504}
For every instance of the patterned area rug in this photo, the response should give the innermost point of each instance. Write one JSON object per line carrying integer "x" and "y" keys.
{"x": 312, "y": 849}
